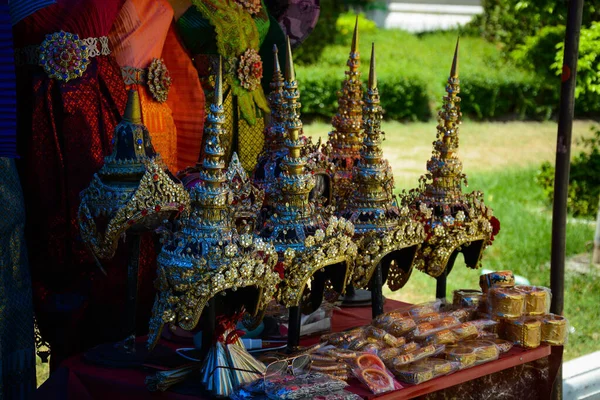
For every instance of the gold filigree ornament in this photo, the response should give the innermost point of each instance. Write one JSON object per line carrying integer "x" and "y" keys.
{"x": 133, "y": 191}
{"x": 312, "y": 244}
{"x": 454, "y": 222}
{"x": 384, "y": 232}
{"x": 207, "y": 255}
{"x": 158, "y": 80}
{"x": 345, "y": 140}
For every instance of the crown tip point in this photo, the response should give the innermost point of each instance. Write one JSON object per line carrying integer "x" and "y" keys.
{"x": 454, "y": 69}
{"x": 355, "y": 37}
{"x": 133, "y": 110}
{"x": 372, "y": 72}
{"x": 289, "y": 62}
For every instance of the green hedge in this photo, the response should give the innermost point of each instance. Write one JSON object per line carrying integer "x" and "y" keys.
{"x": 401, "y": 99}
{"x": 412, "y": 72}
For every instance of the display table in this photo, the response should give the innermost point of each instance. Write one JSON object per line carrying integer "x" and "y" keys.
{"x": 518, "y": 374}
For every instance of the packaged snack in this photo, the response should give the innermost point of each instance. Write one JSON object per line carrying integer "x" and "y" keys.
{"x": 414, "y": 374}
{"x": 554, "y": 329}
{"x": 371, "y": 371}
{"x": 485, "y": 335}
{"x": 467, "y": 298}
{"x": 506, "y": 302}
{"x": 389, "y": 339}
{"x": 525, "y": 332}
{"x": 420, "y": 353}
{"x": 395, "y": 323}
{"x": 537, "y": 299}
{"x": 503, "y": 345}
{"x": 504, "y": 279}
{"x": 439, "y": 366}
{"x": 342, "y": 354}
{"x": 445, "y": 336}
{"x": 419, "y": 310}
{"x": 465, "y": 331}
{"x": 484, "y": 350}
{"x": 427, "y": 328}
{"x": 464, "y": 356}
{"x": 485, "y": 324}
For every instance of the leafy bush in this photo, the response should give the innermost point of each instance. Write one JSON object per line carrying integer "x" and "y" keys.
{"x": 345, "y": 27}
{"x": 587, "y": 90}
{"x": 511, "y": 22}
{"x": 584, "y": 179}
{"x": 412, "y": 77}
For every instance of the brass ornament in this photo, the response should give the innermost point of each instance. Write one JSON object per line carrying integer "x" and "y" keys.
{"x": 381, "y": 227}
{"x": 158, "y": 80}
{"x": 207, "y": 255}
{"x": 454, "y": 221}
{"x": 132, "y": 191}
{"x": 307, "y": 239}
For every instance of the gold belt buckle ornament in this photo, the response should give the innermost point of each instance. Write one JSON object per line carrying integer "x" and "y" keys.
{"x": 63, "y": 56}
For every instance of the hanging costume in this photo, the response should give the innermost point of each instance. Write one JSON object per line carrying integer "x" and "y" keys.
{"x": 65, "y": 122}
{"x": 243, "y": 35}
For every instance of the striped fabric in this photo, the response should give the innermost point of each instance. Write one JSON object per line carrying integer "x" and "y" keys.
{"x": 20, "y": 9}
{"x": 8, "y": 108}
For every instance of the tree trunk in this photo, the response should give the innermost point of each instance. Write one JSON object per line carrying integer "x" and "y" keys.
{"x": 596, "y": 253}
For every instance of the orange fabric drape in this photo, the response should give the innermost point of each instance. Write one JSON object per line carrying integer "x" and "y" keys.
{"x": 186, "y": 99}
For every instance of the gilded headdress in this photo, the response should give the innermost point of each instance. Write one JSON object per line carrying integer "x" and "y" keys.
{"x": 384, "y": 232}
{"x": 207, "y": 255}
{"x": 306, "y": 238}
{"x": 454, "y": 221}
{"x": 133, "y": 191}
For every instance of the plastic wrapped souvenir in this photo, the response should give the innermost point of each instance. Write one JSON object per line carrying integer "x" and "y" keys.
{"x": 525, "y": 331}
{"x": 554, "y": 329}
{"x": 537, "y": 299}
{"x": 506, "y": 302}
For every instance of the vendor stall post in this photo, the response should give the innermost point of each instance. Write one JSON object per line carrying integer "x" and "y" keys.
{"x": 563, "y": 164}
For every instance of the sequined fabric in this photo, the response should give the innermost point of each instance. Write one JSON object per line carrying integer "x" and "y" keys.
{"x": 17, "y": 350}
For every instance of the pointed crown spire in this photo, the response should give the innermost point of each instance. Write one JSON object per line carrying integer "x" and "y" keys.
{"x": 371, "y": 153}
{"x": 445, "y": 166}
{"x": 213, "y": 164}
{"x": 294, "y": 161}
{"x": 274, "y": 131}
{"x": 346, "y": 139}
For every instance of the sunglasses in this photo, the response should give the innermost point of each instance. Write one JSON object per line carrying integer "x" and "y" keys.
{"x": 275, "y": 370}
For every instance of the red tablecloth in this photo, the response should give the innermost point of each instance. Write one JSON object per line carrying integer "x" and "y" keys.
{"x": 518, "y": 374}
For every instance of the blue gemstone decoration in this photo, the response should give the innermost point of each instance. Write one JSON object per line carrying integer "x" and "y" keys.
{"x": 65, "y": 76}
{"x": 62, "y": 34}
{"x": 76, "y": 37}
{"x": 139, "y": 141}
{"x": 43, "y": 62}
{"x": 83, "y": 47}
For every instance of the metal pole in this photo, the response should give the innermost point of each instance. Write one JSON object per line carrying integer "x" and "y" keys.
{"x": 294, "y": 329}
{"x": 563, "y": 159}
{"x": 440, "y": 286}
{"x": 132, "y": 289}
{"x": 377, "y": 292}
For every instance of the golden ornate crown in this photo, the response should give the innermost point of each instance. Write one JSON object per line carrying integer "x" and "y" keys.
{"x": 454, "y": 221}
{"x": 306, "y": 239}
{"x": 132, "y": 191}
{"x": 345, "y": 141}
{"x": 208, "y": 255}
{"x": 381, "y": 227}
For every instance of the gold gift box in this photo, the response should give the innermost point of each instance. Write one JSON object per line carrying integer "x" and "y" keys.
{"x": 537, "y": 299}
{"x": 526, "y": 332}
{"x": 465, "y": 356}
{"x": 506, "y": 302}
{"x": 554, "y": 329}
{"x": 496, "y": 279}
{"x": 467, "y": 297}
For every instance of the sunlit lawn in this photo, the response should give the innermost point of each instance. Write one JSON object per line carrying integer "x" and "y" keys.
{"x": 501, "y": 159}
